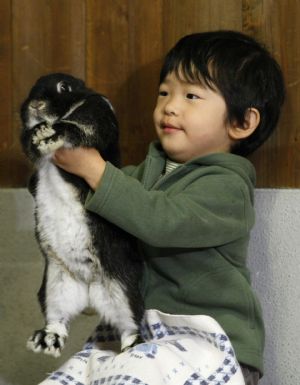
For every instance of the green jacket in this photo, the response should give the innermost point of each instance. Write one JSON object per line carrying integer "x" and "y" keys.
{"x": 193, "y": 226}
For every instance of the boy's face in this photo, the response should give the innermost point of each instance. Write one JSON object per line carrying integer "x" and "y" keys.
{"x": 190, "y": 120}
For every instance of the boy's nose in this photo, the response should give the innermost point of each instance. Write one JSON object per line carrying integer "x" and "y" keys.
{"x": 171, "y": 107}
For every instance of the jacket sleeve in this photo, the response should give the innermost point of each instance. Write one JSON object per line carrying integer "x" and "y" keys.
{"x": 193, "y": 217}
{"x": 128, "y": 170}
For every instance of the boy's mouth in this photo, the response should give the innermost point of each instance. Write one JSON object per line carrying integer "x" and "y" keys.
{"x": 168, "y": 127}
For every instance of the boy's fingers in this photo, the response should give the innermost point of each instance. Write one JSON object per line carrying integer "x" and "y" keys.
{"x": 61, "y": 153}
{"x": 58, "y": 155}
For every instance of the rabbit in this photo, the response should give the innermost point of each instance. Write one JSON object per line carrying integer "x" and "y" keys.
{"x": 89, "y": 262}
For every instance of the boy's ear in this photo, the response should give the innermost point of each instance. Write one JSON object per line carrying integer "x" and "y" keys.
{"x": 252, "y": 120}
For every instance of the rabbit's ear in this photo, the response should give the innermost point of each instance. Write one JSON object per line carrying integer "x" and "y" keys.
{"x": 109, "y": 103}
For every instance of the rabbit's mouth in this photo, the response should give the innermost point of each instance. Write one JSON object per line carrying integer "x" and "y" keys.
{"x": 35, "y": 117}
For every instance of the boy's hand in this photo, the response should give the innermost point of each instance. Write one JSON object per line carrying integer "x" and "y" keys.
{"x": 86, "y": 163}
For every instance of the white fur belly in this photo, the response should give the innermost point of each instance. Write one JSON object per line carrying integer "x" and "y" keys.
{"x": 62, "y": 221}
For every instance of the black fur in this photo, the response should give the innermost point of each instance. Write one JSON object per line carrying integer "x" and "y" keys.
{"x": 60, "y": 109}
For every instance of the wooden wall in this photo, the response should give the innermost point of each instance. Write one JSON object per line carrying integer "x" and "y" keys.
{"x": 117, "y": 47}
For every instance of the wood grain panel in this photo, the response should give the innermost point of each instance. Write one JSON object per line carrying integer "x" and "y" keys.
{"x": 123, "y": 40}
{"x": 118, "y": 47}
{"x": 288, "y": 138}
{"x": 108, "y": 52}
{"x": 276, "y": 24}
{"x": 146, "y": 47}
{"x": 51, "y": 39}
{"x": 47, "y": 36}
{"x": 6, "y": 137}
{"x": 190, "y": 16}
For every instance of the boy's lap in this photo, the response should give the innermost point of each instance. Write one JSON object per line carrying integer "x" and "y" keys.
{"x": 177, "y": 350}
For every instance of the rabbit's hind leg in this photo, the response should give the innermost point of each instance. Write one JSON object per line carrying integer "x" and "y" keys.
{"x": 64, "y": 298}
{"x": 111, "y": 303}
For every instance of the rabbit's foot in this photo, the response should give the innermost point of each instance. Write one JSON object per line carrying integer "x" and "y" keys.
{"x": 129, "y": 340}
{"x": 42, "y": 132}
{"x": 48, "y": 340}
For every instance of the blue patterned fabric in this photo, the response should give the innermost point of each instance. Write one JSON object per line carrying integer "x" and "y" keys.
{"x": 177, "y": 350}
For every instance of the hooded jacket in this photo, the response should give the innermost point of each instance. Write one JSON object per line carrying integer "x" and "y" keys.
{"x": 193, "y": 228}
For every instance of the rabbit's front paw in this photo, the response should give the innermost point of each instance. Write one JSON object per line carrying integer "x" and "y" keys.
{"x": 46, "y": 341}
{"x": 42, "y": 132}
{"x": 46, "y": 139}
{"x": 50, "y": 145}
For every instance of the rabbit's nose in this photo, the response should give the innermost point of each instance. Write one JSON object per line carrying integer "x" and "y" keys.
{"x": 37, "y": 104}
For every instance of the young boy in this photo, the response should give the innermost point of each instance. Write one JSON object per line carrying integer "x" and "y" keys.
{"x": 190, "y": 203}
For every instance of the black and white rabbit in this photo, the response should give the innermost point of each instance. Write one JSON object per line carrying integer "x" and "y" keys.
{"x": 89, "y": 262}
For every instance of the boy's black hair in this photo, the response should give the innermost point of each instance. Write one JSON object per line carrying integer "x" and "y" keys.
{"x": 241, "y": 69}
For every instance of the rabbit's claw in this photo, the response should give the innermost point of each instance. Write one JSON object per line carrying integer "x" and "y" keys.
{"x": 47, "y": 342}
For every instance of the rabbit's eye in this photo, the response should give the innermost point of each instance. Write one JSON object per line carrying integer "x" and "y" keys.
{"x": 63, "y": 87}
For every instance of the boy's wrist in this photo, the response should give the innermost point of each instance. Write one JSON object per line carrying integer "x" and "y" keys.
{"x": 95, "y": 173}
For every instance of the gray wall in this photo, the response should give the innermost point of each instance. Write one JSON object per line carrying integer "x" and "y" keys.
{"x": 273, "y": 260}
{"x": 21, "y": 269}
{"x": 275, "y": 264}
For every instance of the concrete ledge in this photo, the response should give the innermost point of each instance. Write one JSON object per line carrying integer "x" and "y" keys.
{"x": 21, "y": 269}
{"x": 273, "y": 259}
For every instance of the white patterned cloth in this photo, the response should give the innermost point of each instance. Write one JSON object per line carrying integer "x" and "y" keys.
{"x": 178, "y": 350}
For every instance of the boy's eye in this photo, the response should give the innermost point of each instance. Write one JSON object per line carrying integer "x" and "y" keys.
{"x": 192, "y": 96}
{"x": 162, "y": 93}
